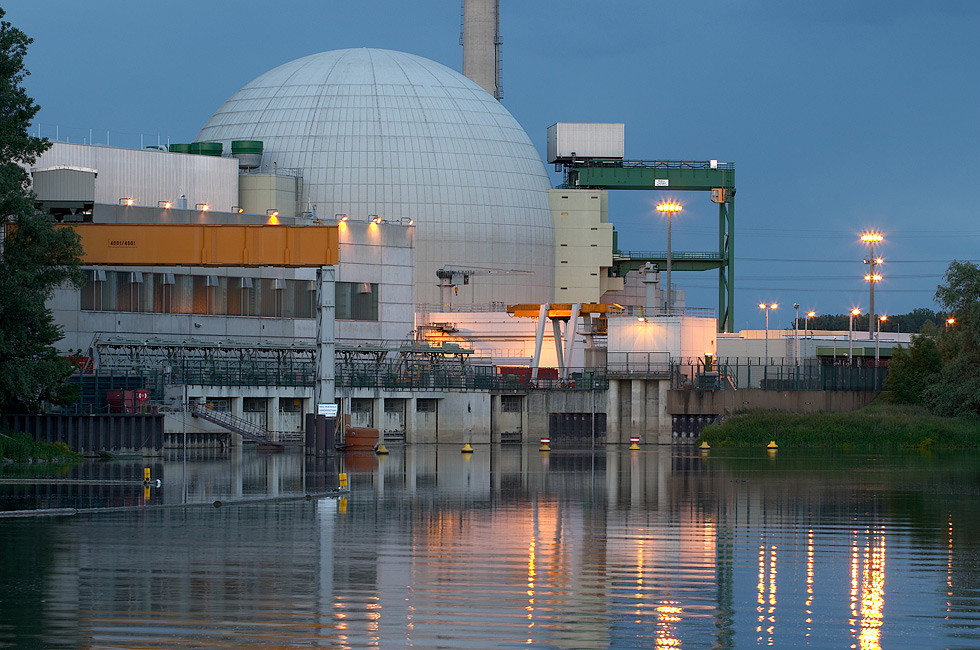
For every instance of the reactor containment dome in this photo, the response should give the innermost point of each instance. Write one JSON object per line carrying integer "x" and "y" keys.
{"x": 378, "y": 132}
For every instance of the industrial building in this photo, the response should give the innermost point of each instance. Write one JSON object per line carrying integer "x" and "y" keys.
{"x": 372, "y": 229}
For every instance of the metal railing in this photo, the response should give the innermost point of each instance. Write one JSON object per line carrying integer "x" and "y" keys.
{"x": 422, "y": 377}
{"x": 778, "y": 374}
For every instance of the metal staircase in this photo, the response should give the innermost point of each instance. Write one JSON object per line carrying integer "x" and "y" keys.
{"x": 235, "y": 424}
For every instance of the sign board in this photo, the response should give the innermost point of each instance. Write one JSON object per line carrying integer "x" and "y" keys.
{"x": 330, "y": 410}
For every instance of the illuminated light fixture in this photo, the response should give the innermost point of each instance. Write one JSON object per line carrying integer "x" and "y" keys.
{"x": 203, "y": 207}
{"x": 126, "y": 200}
{"x": 767, "y": 307}
{"x": 272, "y": 212}
{"x": 669, "y": 208}
{"x": 166, "y": 205}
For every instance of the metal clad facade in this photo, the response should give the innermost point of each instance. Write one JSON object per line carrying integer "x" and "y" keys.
{"x": 584, "y": 140}
{"x": 151, "y": 176}
{"x": 64, "y": 185}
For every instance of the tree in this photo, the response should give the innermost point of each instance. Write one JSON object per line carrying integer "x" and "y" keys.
{"x": 912, "y": 371}
{"x": 35, "y": 256}
{"x": 956, "y": 390}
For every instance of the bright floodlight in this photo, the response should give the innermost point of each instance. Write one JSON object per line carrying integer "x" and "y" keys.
{"x": 872, "y": 237}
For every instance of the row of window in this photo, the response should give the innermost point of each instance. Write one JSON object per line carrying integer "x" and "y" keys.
{"x": 173, "y": 293}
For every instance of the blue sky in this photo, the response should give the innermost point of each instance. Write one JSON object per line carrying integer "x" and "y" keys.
{"x": 840, "y": 116}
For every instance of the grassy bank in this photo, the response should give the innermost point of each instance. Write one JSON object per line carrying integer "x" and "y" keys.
{"x": 877, "y": 426}
{"x": 21, "y": 448}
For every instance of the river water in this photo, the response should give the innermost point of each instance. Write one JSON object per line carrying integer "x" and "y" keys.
{"x": 504, "y": 548}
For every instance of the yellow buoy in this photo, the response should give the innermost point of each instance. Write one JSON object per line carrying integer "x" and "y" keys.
{"x": 705, "y": 445}
{"x": 381, "y": 450}
{"x": 772, "y": 445}
{"x": 466, "y": 449}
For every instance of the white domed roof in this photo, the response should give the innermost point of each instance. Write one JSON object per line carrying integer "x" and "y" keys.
{"x": 378, "y": 132}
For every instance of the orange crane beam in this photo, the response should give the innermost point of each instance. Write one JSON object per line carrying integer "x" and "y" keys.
{"x": 561, "y": 310}
{"x": 208, "y": 244}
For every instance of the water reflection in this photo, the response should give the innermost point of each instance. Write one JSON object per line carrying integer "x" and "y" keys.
{"x": 506, "y": 548}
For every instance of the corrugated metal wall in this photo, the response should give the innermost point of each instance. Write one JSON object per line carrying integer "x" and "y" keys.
{"x": 150, "y": 176}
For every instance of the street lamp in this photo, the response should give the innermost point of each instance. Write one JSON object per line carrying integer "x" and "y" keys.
{"x": 806, "y": 324}
{"x": 850, "y": 336}
{"x": 871, "y": 238}
{"x": 796, "y": 329}
{"x": 669, "y": 208}
{"x": 767, "y": 308}
{"x": 881, "y": 319}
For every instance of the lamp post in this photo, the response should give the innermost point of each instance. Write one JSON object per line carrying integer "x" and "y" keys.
{"x": 850, "y": 336}
{"x": 767, "y": 308}
{"x": 669, "y": 208}
{"x": 881, "y": 319}
{"x": 796, "y": 330}
{"x": 806, "y": 326}
{"x": 871, "y": 238}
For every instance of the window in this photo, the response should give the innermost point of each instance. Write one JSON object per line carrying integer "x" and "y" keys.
{"x": 253, "y": 404}
{"x": 219, "y": 404}
{"x": 357, "y": 301}
{"x": 511, "y": 403}
{"x": 361, "y": 405}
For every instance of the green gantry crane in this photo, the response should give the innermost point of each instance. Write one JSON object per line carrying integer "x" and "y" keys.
{"x": 672, "y": 175}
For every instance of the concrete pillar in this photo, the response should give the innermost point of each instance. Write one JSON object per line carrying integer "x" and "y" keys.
{"x": 637, "y": 407}
{"x": 666, "y": 428}
{"x": 238, "y": 410}
{"x": 613, "y": 414}
{"x": 272, "y": 417}
{"x": 410, "y": 412}
{"x": 378, "y": 417}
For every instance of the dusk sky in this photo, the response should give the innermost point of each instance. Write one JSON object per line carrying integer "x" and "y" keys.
{"x": 840, "y": 115}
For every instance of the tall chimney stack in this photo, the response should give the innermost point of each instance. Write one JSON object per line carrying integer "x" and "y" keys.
{"x": 481, "y": 44}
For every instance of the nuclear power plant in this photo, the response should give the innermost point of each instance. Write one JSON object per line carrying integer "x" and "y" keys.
{"x": 371, "y": 235}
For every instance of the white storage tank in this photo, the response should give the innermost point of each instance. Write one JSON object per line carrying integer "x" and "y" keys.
{"x": 583, "y": 140}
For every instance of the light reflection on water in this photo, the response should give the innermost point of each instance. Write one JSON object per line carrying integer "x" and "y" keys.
{"x": 505, "y": 548}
